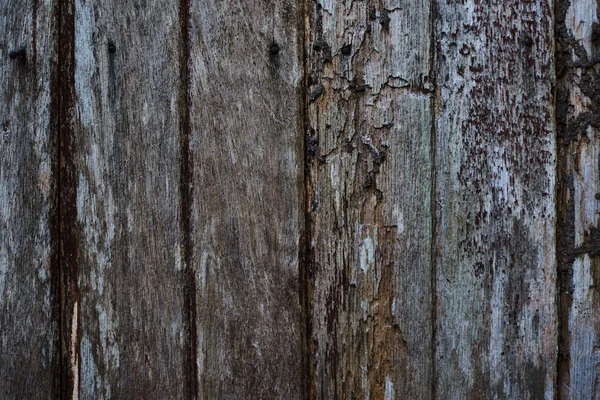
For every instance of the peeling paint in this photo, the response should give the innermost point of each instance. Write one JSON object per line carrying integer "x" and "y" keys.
{"x": 580, "y": 17}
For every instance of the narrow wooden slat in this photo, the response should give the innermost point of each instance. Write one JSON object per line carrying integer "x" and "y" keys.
{"x": 130, "y": 326}
{"x": 578, "y": 187}
{"x": 28, "y": 324}
{"x": 247, "y": 218}
{"x": 369, "y": 158}
{"x": 495, "y": 177}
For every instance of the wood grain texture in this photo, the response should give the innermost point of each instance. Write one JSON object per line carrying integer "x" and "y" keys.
{"x": 370, "y": 176}
{"x": 129, "y": 320}
{"x": 495, "y": 179}
{"x": 247, "y": 219}
{"x": 28, "y": 325}
{"x": 578, "y": 123}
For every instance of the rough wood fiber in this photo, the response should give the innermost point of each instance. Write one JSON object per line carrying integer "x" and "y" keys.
{"x": 578, "y": 123}
{"x": 369, "y": 161}
{"x": 495, "y": 180}
{"x": 246, "y": 144}
{"x": 129, "y": 322}
{"x": 28, "y": 326}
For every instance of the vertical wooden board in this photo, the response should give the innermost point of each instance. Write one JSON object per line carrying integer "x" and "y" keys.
{"x": 370, "y": 184}
{"x": 495, "y": 179}
{"x": 129, "y": 323}
{"x": 578, "y": 131}
{"x": 28, "y": 325}
{"x": 247, "y": 219}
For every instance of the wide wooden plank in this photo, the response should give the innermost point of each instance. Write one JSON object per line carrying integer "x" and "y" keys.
{"x": 496, "y": 322}
{"x": 247, "y": 219}
{"x": 28, "y": 321}
{"x": 370, "y": 184}
{"x": 578, "y": 187}
{"x": 130, "y": 314}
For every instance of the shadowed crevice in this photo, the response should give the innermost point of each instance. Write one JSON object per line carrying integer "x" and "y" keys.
{"x": 186, "y": 199}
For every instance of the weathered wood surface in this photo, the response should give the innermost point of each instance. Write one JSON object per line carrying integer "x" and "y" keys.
{"x": 369, "y": 160}
{"x": 247, "y": 214}
{"x": 577, "y": 116}
{"x": 288, "y": 199}
{"x": 28, "y": 319}
{"x": 496, "y": 322}
{"x": 129, "y": 322}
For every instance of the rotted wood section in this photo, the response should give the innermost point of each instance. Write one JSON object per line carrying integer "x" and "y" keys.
{"x": 369, "y": 159}
{"x": 577, "y": 117}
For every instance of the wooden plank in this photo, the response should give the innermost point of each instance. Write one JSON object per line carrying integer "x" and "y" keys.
{"x": 28, "y": 321}
{"x": 247, "y": 219}
{"x": 578, "y": 187}
{"x": 370, "y": 184}
{"x": 495, "y": 178}
{"x": 129, "y": 322}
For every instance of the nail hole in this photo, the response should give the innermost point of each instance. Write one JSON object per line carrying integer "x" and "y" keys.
{"x": 13, "y": 54}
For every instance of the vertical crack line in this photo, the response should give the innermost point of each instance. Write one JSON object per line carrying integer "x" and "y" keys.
{"x": 55, "y": 268}
{"x": 306, "y": 257}
{"x": 564, "y": 47}
{"x": 434, "y": 68}
{"x": 64, "y": 269}
{"x": 186, "y": 198}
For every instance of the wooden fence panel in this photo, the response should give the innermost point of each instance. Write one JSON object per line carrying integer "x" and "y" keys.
{"x": 369, "y": 159}
{"x": 496, "y": 320}
{"x": 246, "y": 144}
{"x": 129, "y": 322}
{"x": 299, "y": 199}
{"x": 577, "y": 201}
{"x": 28, "y": 318}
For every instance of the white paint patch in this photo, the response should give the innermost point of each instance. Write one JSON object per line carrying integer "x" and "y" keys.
{"x": 367, "y": 251}
{"x": 335, "y": 180}
{"x": 389, "y": 389}
{"x": 177, "y": 253}
{"x": 400, "y": 222}
{"x": 579, "y": 19}
{"x": 201, "y": 278}
{"x": 74, "y": 353}
{"x": 364, "y": 306}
